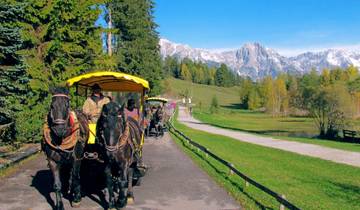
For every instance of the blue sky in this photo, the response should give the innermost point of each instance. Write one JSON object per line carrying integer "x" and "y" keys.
{"x": 289, "y": 26}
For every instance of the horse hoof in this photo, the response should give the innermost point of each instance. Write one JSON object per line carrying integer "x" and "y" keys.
{"x": 60, "y": 207}
{"x": 130, "y": 200}
{"x": 121, "y": 203}
{"x": 76, "y": 204}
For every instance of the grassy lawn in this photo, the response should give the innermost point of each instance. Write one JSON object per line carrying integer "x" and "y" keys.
{"x": 300, "y": 129}
{"x": 287, "y": 128}
{"x": 202, "y": 94}
{"x": 307, "y": 182}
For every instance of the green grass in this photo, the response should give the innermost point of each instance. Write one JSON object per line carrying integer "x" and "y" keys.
{"x": 264, "y": 124}
{"x": 307, "y": 182}
{"x": 202, "y": 94}
{"x": 8, "y": 171}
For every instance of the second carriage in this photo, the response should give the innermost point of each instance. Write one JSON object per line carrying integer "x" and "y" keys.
{"x": 155, "y": 116}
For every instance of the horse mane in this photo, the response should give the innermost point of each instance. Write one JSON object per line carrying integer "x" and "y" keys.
{"x": 84, "y": 127}
{"x": 59, "y": 90}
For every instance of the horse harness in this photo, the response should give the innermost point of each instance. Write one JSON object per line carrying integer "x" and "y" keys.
{"x": 125, "y": 138}
{"x": 69, "y": 142}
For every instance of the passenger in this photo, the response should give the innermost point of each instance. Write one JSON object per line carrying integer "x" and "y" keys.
{"x": 131, "y": 110}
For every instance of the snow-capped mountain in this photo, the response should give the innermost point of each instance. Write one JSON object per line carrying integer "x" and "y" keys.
{"x": 256, "y": 61}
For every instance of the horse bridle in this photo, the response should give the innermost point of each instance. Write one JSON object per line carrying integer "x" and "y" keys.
{"x": 60, "y": 121}
{"x": 113, "y": 148}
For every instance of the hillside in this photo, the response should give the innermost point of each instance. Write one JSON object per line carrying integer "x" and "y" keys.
{"x": 202, "y": 94}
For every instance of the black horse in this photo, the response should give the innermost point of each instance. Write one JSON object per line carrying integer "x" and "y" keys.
{"x": 65, "y": 134}
{"x": 120, "y": 138}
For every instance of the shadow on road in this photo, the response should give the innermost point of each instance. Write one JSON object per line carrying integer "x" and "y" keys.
{"x": 42, "y": 181}
{"x": 92, "y": 184}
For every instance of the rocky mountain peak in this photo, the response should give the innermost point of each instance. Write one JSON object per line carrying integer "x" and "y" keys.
{"x": 257, "y": 61}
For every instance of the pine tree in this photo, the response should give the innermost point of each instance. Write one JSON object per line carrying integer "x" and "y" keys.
{"x": 137, "y": 40}
{"x": 60, "y": 41}
{"x": 13, "y": 76}
{"x": 221, "y": 76}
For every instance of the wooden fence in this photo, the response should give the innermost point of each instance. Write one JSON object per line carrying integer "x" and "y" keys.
{"x": 280, "y": 198}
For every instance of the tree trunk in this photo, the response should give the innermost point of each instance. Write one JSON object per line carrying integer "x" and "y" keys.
{"x": 109, "y": 36}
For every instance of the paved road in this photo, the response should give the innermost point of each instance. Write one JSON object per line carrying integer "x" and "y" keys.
{"x": 335, "y": 155}
{"x": 172, "y": 182}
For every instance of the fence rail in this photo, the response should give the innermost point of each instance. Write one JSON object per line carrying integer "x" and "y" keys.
{"x": 280, "y": 198}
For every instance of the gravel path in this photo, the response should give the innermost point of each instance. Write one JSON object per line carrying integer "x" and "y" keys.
{"x": 335, "y": 155}
{"x": 172, "y": 182}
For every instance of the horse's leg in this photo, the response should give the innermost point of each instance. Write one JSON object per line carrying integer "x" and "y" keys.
{"x": 109, "y": 185}
{"x": 55, "y": 169}
{"x": 122, "y": 199}
{"x": 75, "y": 173}
{"x": 76, "y": 189}
{"x": 130, "y": 194}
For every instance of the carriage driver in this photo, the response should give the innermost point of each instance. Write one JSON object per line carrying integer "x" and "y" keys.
{"x": 92, "y": 108}
{"x": 93, "y": 104}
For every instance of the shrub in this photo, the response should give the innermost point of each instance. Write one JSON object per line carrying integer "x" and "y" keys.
{"x": 214, "y": 104}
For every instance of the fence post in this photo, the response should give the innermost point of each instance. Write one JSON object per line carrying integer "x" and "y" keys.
{"x": 282, "y": 207}
{"x": 246, "y": 183}
{"x": 231, "y": 171}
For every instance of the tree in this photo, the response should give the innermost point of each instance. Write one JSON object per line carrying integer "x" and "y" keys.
{"x": 352, "y": 73}
{"x": 59, "y": 41}
{"x": 185, "y": 73}
{"x": 294, "y": 93}
{"x": 282, "y": 101}
{"x": 325, "y": 78}
{"x": 13, "y": 77}
{"x": 214, "y": 106}
{"x": 330, "y": 108}
{"x": 337, "y": 74}
{"x": 137, "y": 48}
{"x": 221, "y": 76}
{"x": 254, "y": 101}
{"x": 269, "y": 95}
{"x": 245, "y": 89}
{"x": 171, "y": 67}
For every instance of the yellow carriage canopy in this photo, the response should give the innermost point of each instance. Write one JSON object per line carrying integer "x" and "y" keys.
{"x": 157, "y": 99}
{"x": 110, "y": 81}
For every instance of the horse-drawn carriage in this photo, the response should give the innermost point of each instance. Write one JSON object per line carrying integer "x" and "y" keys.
{"x": 155, "y": 116}
{"x": 115, "y": 141}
